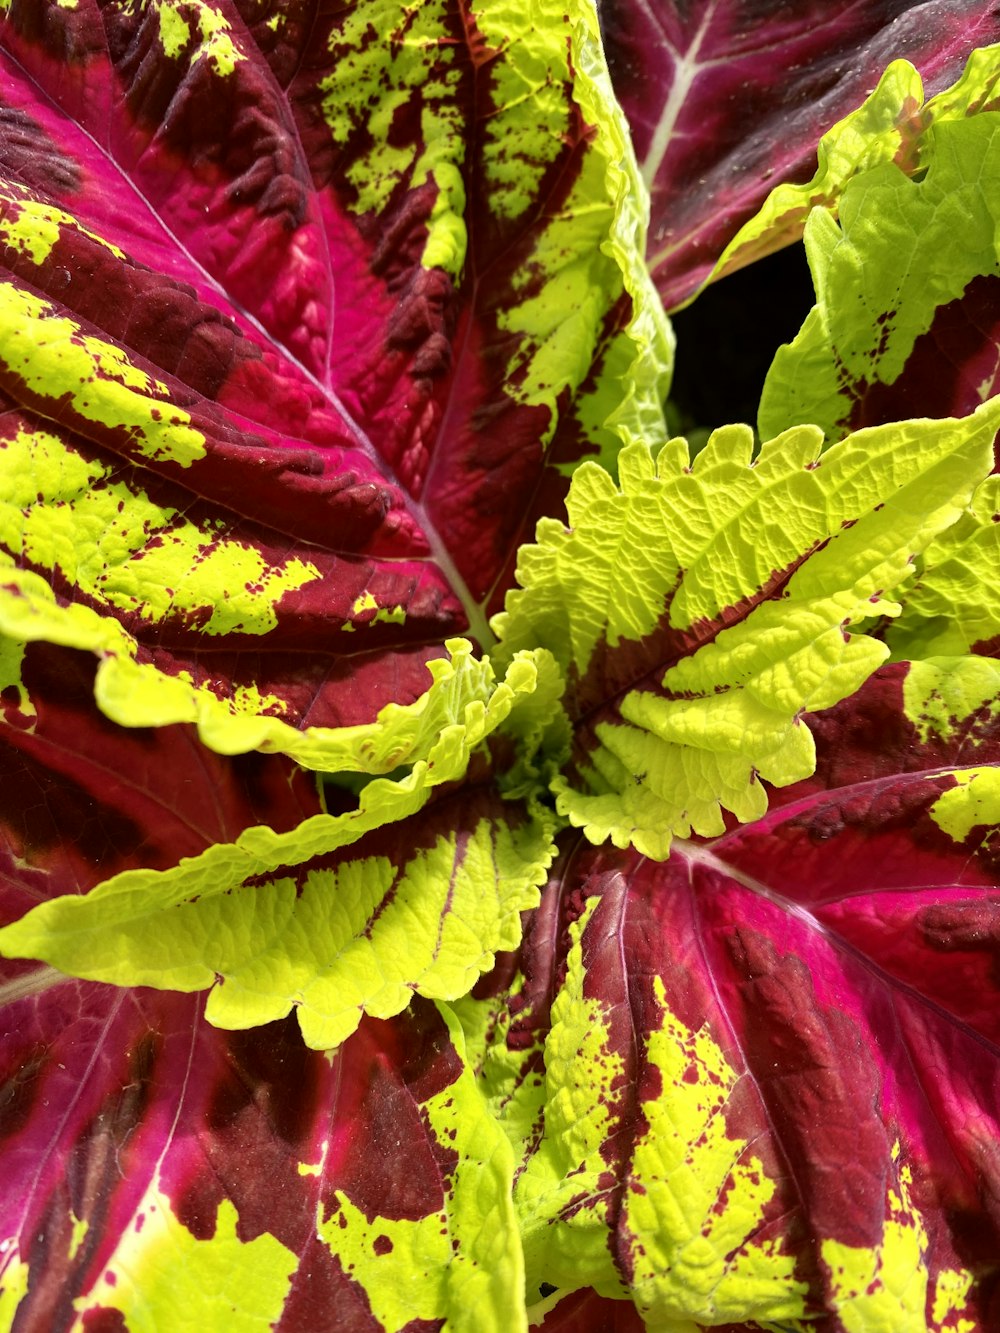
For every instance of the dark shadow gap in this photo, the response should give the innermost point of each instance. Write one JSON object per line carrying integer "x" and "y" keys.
{"x": 726, "y": 340}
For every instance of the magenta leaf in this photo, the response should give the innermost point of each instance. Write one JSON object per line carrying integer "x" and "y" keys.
{"x": 85, "y": 799}
{"x": 726, "y": 100}
{"x": 151, "y": 1159}
{"x": 154, "y": 1163}
{"x": 585, "y": 1309}
{"x": 788, "y": 1038}
{"x": 303, "y": 383}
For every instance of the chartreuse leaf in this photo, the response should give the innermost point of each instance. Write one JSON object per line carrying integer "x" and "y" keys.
{"x": 702, "y": 608}
{"x": 944, "y": 692}
{"x": 622, "y": 400}
{"x": 715, "y": 129}
{"x": 464, "y": 1262}
{"x": 462, "y": 701}
{"x": 423, "y": 906}
{"x": 888, "y": 336}
{"x": 219, "y": 1280}
{"x": 953, "y": 604}
{"x": 893, "y": 125}
{"x": 693, "y": 1262}
{"x": 420, "y": 906}
{"x": 884, "y": 127}
{"x": 563, "y": 1213}
{"x": 974, "y": 802}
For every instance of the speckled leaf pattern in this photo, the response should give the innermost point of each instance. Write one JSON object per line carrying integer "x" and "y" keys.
{"x": 791, "y": 1034}
{"x": 283, "y": 390}
{"x": 180, "y": 1175}
{"x": 728, "y": 98}
{"x": 702, "y": 609}
{"x": 160, "y": 1173}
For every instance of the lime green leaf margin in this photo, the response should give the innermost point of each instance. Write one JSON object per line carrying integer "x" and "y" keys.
{"x": 625, "y": 404}
{"x": 462, "y": 701}
{"x": 901, "y": 251}
{"x": 465, "y": 1263}
{"x": 361, "y": 934}
{"x": 358, "y": 934}
{"x": 887, "y": 127}
{"x": 727, "y": 587}
{"x": 953, "y": 606}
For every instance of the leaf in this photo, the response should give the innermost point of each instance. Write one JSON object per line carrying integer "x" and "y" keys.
{"x": 285, "y": 436}
{"x": 906, "y": 283}
{"x": 889, "y": 127}
{"x": 418, "y": 907}
{"x": 85, "y": 800}
{"x": 266, "y": 914}
{"x": 702, "y": 610}
{"x": 758, "y": 1082}
{"x": 725, "y": 99}
{"x": 563, "y": 1314}
{"x": 155, "y": 1165}
{"x": 162, "y": 1172}
{"x": 952, "y": 607}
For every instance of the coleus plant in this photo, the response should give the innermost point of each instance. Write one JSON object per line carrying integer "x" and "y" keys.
{"x": 469, "y": 860}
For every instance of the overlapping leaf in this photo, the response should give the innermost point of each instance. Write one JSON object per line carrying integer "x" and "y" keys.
{"x": 304, "y": 312}
{"x": 703, "y": 609}
{"x": 906, "y": 284}
{"x": 136, "y": 1137}
{"x": 759, "y": 1082}
{"x": 954, "y": 603}
{"x": 329, "y": 912}
{"x": 726, "y": 100}
{"x": 161, "y": 1173}
{"x": 420, "y": 906}
{"x": 85, "y": 800}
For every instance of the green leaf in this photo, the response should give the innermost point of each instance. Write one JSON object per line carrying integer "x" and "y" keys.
{"x": 419, "y": 907}
{"x": 703, "y": 608}
{"x": 622, "y": 401}
{"x": 889, "y": 127}
{"x": 903, "y": 249}
{"x": 283, "y": 918}
{"x": 953, "y": 604}
{"x": 944, "y": 692}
